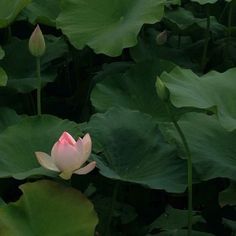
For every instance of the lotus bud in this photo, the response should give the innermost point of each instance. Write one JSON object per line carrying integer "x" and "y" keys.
{"x": 68, "y": 156}
{"x": 161, "y": 90}
{"x": 36, "y": 43}
{"x": 161, "y": 38}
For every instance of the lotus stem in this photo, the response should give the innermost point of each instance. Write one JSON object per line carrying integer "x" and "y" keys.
{"x": 190, "y": 168}
{"x": 38, "y": 70}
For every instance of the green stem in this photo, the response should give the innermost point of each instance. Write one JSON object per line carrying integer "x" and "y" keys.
{"x": 113, "y": 202}
{"x": 39, "y": 86}
{"x": 207, "y": 38}
{"x": 190, "y": 172}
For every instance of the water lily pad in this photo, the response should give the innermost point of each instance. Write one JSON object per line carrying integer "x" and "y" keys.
{"x": 48, "y": 208}
{"x": 9, "y": 9}
{"x": 211, "y": 90}
{"x": 19, "y": 142}
{"x": 107, "y": 26}
{"x": 134, "y": 150}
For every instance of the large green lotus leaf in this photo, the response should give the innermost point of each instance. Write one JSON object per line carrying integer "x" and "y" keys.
{"x": 3, "y": 77}
{"x": 42, "y": 11}
{"x": 134, "y": 89}
{"x": 9, "y": 9}
{"x": 8, "y": 117}
{"x": 134, "y": 150}
{"x": 211, "y": 90}
{"x": 213, "y": 148}
{"x": 20, "y": 65}
{"x": 48, "y": 208}
{"x": 19, "y": 142}
{"x": 107, "y": 26}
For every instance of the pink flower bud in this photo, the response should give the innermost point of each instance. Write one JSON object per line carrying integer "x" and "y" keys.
{"x": 36, "y": 43}
{"x": 68, "y": 156}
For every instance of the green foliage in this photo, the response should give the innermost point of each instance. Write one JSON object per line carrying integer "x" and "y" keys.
{"x": 68, "y": 212}
{"x": 34, "y": 134}
{"x": 135, "y": 151}
{"x": 98, "y": 76}
{"x": 107, "y": 26}
{"x": 21, "y": 75}
{"x": 213, "y": 90}
{"x": 44, "y": 12}
{"x": 9, "y": 9}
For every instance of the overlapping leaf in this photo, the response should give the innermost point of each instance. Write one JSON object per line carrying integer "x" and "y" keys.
{"x": 211, "y": 90}
{"x": 134, "y": 89}
{"x": 212, "y": 147}
{"x": 48, "y": 208}
{"x": 134, "y": 150}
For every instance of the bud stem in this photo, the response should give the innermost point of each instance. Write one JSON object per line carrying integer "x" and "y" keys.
{"x": 190, "y": 171}
{"x": 38, "y": 69}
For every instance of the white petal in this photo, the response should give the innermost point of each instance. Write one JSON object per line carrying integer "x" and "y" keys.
{"x": 46, "y": 161}
{"x": 87, "y": 144}
{"x": 66, "y": 157}
{"x": 85, "y": 170}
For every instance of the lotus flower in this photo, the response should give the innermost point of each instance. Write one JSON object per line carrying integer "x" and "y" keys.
{"x": 68, "y": 156}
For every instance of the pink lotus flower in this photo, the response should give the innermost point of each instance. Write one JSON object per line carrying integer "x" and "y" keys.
{"x": 68, "y": 156}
